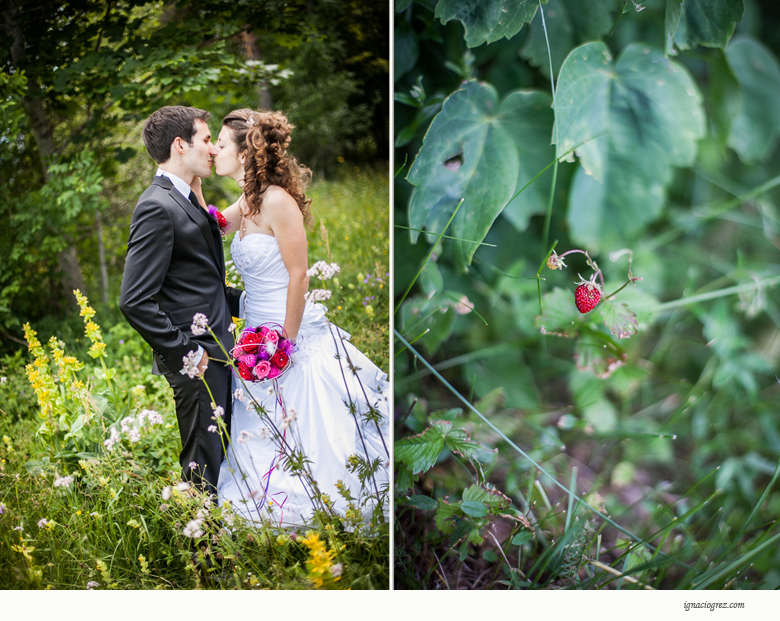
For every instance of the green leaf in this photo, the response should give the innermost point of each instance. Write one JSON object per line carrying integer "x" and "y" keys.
{"x": 405, "y": 49}
{"x": 568, "y": 22}
{"x": 486, "y": 21}
{"x": 755, "y": 128}
{"x": 647, "y": 111}
{"x": 619, "y": 319}
{"x": 434, "y": 314}
{"x": 491, "y": 497}
{"x": 707, "y": 22}
{"x": 671, "y": 20}
{"x": 508, "y": 371}
{"x": 419, "y": 452}
{"x": 444, "y": 511}
{"x": 560, "y": 315}
{"x": 474, "y": 508}
{"x": 483, "y": 152}
{"x": 426, "y": 503}
{"x": 400, "y": 5}
{"x": 459, "y": 441}
{"x": 522, "y": 537}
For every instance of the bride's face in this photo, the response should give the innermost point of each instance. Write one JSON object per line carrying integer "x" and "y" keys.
{"x": 227, "y": 161}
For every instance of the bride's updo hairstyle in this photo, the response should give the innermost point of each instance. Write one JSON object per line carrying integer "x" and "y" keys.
{"x": 263, "y": 137}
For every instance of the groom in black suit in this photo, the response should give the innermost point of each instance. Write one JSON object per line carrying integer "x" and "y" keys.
{"x": 175, "y": 268}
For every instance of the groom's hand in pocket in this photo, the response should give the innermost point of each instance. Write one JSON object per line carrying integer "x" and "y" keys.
{"x": 204, "y": 362}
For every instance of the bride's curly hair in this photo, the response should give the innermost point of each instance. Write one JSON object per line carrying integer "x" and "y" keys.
{"x": 263, "y": 137}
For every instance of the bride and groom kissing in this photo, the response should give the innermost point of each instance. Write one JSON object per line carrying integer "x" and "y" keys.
{"x": 175, "y": 270}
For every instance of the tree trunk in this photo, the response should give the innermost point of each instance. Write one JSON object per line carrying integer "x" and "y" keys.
{"x": 44, "y": 137}
{"x": 102, "y": 256}
{"x": 252, "y": 52}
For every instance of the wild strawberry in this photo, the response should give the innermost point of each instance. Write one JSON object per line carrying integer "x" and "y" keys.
{"x": 587, "y": 295}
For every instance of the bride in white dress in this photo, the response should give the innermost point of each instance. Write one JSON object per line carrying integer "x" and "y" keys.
{"x": 333, "y": 402}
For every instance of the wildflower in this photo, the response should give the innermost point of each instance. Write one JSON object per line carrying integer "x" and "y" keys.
{"x": 369, "y": 310}
{"x": 42, "y": 522}
{"x": 293, "y": 413}
{"x": 463, "y": 306}
{"x": 190, "y": 366}
{"x": 3, "y": 379}
{"x": 126, "y": 422}
{"x": 182, "y": 487}
{"x": 113, "y": 439}
{"x": 317, "y": 295}
{"x": 323, "y": 270}
{"x": 2, "y": 509}
{"x": 134, "y": 435}
{"x": 133, "y": 524}
{"x": 232, "y": 328}
{"x": 264, "y": 433}
{"x": 193, "y": 465}
{"x": 239, "y": 395}
{"x": 219, "y": 412}
{"x": 164, "y": 508}
{"x": 166, "y": 493}
{"x": 92, "y": 584}
{"x": 19, "y": 528}
{"x": 193, "y": 529}
{"x": 212, "y": 428}
{"x": 63, "y": 481}
{"x": 245, "y": 436}
{"x": 336, "y": 570}
{"x": 153, "y": 417}
{"x": 199, "y": 323}
{"x": 269, "y": 391}
{"x": 95, "y": 514}
{"x": 554, "y": 262}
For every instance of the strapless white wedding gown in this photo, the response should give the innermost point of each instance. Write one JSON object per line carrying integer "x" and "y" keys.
{"x": 252, "y": 475}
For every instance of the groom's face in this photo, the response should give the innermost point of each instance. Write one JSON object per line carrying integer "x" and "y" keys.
{"x": 198, "y": 157}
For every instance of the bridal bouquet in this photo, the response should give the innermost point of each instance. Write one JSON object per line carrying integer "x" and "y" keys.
{"x": 262, "y": 353}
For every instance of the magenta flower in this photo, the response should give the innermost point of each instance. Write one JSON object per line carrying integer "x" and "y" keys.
{"x": 263, "y": 370}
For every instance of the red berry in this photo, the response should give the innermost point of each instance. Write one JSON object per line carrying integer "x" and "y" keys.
{"x": 586, "y": 297}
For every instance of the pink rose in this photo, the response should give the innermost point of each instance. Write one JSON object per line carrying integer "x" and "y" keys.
{"x": 249, "y": 360}
{"x": 272, "y": 337}
{"x": 261, "y": 371}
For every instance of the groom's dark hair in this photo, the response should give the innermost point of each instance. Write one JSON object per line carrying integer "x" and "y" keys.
{"x": 167, "y": 124}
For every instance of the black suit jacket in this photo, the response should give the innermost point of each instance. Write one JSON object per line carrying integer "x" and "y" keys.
{"x": 175, "y": 267}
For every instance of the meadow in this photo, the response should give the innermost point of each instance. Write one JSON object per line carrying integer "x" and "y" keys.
{"x": 76, "y": 513}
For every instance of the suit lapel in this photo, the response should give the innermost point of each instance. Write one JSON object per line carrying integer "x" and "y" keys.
{"x": 198, "y": 215}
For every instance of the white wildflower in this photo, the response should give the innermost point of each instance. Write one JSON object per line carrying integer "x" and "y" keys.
{"x": 199, "y": 323}
{"x": 201, "y": 514}
{"x": 239, "y": 395}
{"x": 18, "y": 528}
{"x": 232, "y": 328}
{"x": 134, "y": 435}
{"x": 42, "y": 522}
{"x": 323, "y": 270}
{"x": 183, "y": 486}
{"x": 190, "y": 366}
{"x": 269, "y": 391}
{"x": 113, "y": 439}
{"x": 193, "y": 529}
{"x": 126, "y": 422}
{"x": 154, "y": 417}
{"x": 166, "y": 493}
{"x": 193, "y": 465}
{"x": 92, "y": 584}
{"x": 293, "y": 413}
{"x": 141, "y": 417}
{"x": 63, "y": 481}
{"x": 336, "y": 570}
{"x": 3, "y": 379}
{"x": 212, "y": 428}
{"x": 219, "y": 412}
{"x": 317, "y": 295}
{"x": 244, "y": 437}
{"x": 264, "y": 432}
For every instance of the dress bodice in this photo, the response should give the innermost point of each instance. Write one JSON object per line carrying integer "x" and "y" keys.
{"x": 259, "y": 261}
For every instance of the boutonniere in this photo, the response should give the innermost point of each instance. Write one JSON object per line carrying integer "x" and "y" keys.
{"x": 224, "y": 225}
